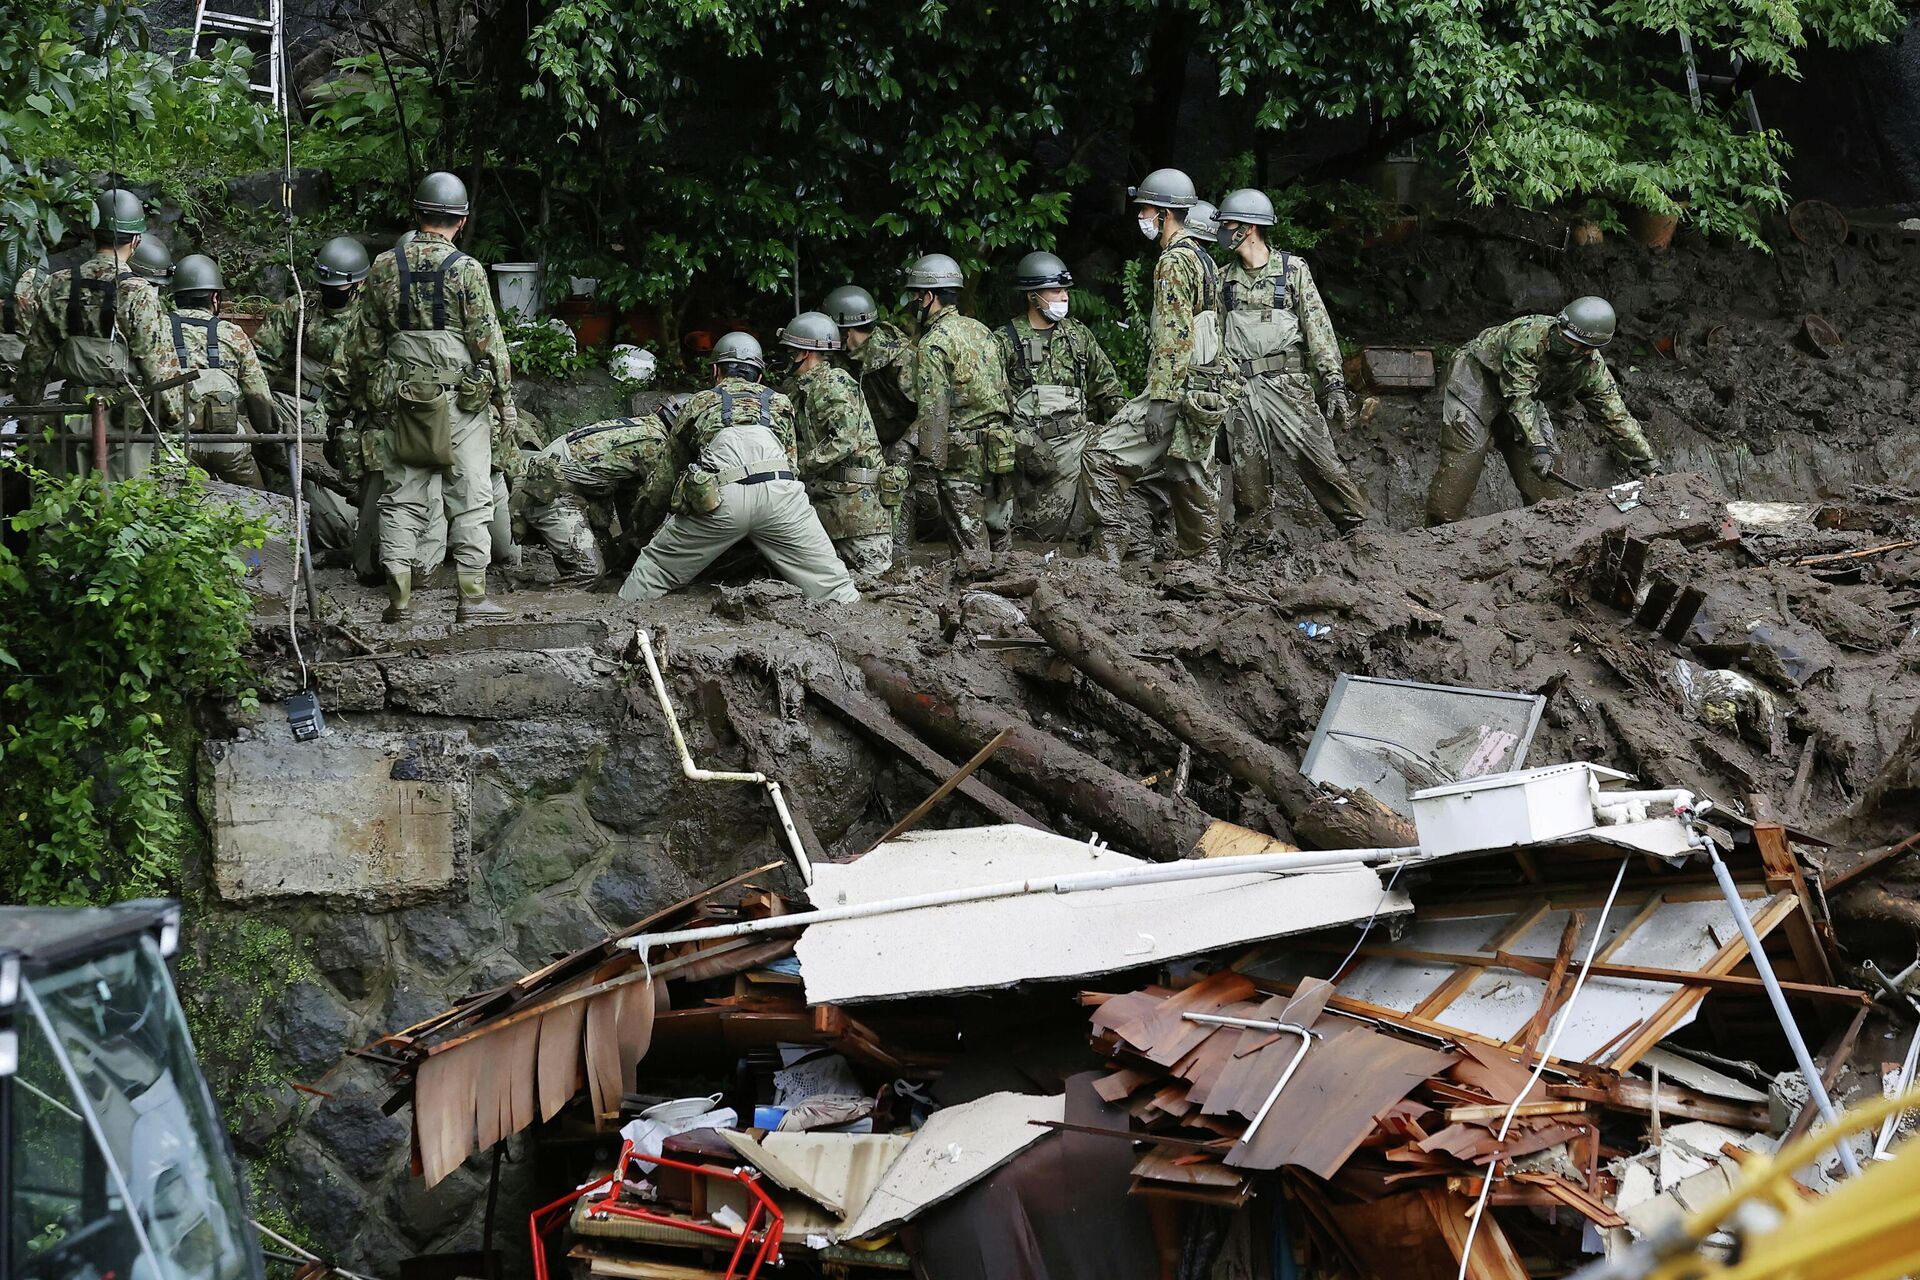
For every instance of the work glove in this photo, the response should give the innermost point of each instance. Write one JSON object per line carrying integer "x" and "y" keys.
{"x": 1336, "y": 404}
{"x": 1159, "y": 419}
{"x": 1545, "y": 459}
{"x": 1646, "y": 468}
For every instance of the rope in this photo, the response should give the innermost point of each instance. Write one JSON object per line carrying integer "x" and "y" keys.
{"x": 299, "y": 469}
{"x": 1546, "y": 1053}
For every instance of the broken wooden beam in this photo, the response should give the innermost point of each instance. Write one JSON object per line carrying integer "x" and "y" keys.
{"x": 1127, "y": 814}
{"x": 872, "y": 720}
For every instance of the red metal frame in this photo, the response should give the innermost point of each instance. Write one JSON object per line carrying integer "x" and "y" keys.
{"x": 763, "y": 1215}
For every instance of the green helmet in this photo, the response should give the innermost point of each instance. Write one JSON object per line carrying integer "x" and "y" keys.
{"x": 1249, "y": 206}
{"x": 851, "y": 307}
{"x": 811, "y": 331}
{"x": 1164, "y": 189}
{"x": 1042, "y": 270}
{"x": 151, "y": 261}
{"x": 119, "y": 212}
{"x": 1588, "y": 321}
{"x": 441, "y": 192}
{"x": 197, "y": 273}
{"x": 740, "y": 348}
{"x": 934, "y": 271}
{"x": 341, "y": 261}
{"x": 1203, "y": 220}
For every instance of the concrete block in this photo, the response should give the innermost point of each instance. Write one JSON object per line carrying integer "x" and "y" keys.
{"x": 374, "y": 819}
{"x": 495, "y": 684}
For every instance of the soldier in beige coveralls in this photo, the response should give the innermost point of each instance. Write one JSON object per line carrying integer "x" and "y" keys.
{"x": 741, "y": 486}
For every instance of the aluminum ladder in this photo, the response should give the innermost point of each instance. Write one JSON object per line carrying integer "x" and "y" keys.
{"x": 253, "y": 28}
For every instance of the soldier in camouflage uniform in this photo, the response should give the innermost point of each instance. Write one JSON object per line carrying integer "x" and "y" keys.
{"x": 963, "y": 434}
{"x": 1279, "y": 340}
{"x": 425, "y": 327}
{"x": 1169, "y": 434}
{"x": 19, "y": 304}
{"x": 232, "y": 393}
{"x": 324, "y": 407}
{"x": 881, "y": 355}
{"x": 741, "y": 486}
{"x": 1497, "y": 396}
{"x": 839, "y": 453}
{"x": 100, "y": 329}
{"x": 1063, "y": 386}
{"x": 632, "y": 461}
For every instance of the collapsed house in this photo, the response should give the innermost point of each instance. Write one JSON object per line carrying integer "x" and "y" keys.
{"x": 1425, "y": 1006}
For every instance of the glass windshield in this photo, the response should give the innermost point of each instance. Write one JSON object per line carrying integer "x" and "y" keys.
{"x": 126, "y": 1045}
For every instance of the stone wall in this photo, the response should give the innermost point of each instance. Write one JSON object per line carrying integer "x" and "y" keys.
{"x": 472, "y": 813}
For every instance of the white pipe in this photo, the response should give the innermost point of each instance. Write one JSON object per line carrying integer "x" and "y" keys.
{"x": 1611, "y": 808}
{"x": 1078, "y": 882}
{"x": 696, "y": 774}
{"x": 1254, "y": 1024}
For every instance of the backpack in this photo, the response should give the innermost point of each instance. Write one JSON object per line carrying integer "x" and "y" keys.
{"x": 213, "y": 398}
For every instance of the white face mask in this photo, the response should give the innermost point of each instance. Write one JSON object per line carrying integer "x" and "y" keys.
{"x": 1150, "y": 227}
{"x": 1055, "y": 311}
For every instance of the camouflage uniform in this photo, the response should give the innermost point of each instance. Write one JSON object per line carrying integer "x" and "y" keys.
{"x": 1128, "y": 456}
{"x": 741, "y": 433}
{"x": 110, "y": 302}
{"x": 191, "y": 329}
{"x": 960, "y": 387}
{"x": 326, "y": 413}
{"x": 840, "y": 462}
{"x": 385, "y": 326}
{"x": 19, "y": 304}
{"x": 617, "y": 457}
{"x": 1496, "y": 397}
{"x": 1063, "y": 385}
{"x": 884, "y": 364}
{"x": 1278, "y": 340}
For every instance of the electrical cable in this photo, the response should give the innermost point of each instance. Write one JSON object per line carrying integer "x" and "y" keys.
{"x": 1546, "y": 1054}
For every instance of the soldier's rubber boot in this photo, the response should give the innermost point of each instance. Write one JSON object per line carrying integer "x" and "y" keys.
{"x": 474, "y": 605}
{"x": 399, "y": 596}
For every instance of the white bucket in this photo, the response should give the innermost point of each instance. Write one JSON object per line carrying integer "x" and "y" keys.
{"x": 518, "y": 284}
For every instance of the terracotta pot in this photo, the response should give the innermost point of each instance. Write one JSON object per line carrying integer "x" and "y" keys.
{"x": 591, "y": 322}
{"x": 249, "y": 323}
{"x": 1585, "y": 235}
{"x": 1654, "y": 230}
{"x": 642, "y": 325}
{"x": 1393, "y": 231}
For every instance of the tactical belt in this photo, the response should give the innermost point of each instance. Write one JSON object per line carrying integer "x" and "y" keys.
{"x": 853, "y": 475}
{"x": 211, "y": 325}
{"x": 1285, "y": 362}
{"x": 1231, "y": 290}
{"x": 1065, "y": 427}
{"x": 752, "y": 473}
{"x": 111, "y": 291}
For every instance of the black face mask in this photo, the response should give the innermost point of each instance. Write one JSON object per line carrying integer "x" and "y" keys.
{"x": 334, "y": 298}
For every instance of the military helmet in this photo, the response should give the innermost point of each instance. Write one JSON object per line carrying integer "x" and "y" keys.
{"x": 401, "y": 241}
{"x": 1248, "y": 205}
{"x": 934, "y": 271}
{"x": 811, "y": 331}
{"x": 1203, "y": 219}
{"x": 441, "y": 192}
{"x": 669, "y": 410}
{"x": 1042, "y": 270}
{"x": 119, "y": 211}
{"x": 151, "y": 261}
{"x": 1588, "y": 321}
{"x": 740, "y": 348}
{"x": 1165, "y": 189}
{"x": 341, "y": 261}
{"x": 851, "y": 307}
{"x": 197, "y": 273}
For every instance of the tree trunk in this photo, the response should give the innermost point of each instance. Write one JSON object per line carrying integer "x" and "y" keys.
{"x": 1318, "y": 821}
{"x": 1127, "y": 815}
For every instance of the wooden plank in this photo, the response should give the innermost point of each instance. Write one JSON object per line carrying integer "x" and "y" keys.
{"x": 1784, "y": 876}
{"x": 945, "y": 789}
{"x": 1838, "y": 1051}
{"x": 1550, "y": 998}
{"x": 1630, "y": 1093}
{"x": 1455, "y": 984}
{"x": 1461, "y": 1115}
{"x": 874, "y": 721}
{"x": 1831, "y": 884}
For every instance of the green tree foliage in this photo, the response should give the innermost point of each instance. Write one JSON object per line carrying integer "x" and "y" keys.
{"x": 123, "y": 604}
{"x": 81, "y": 91}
